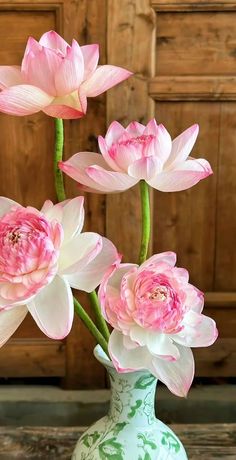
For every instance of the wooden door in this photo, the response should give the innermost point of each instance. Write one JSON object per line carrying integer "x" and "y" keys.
{"x": 183, "y": 54}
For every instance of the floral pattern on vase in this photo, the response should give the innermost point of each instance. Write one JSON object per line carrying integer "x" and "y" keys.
{"x": 130, "y": 431}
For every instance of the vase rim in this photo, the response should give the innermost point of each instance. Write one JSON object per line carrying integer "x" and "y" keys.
{"x": 102, "y": 357}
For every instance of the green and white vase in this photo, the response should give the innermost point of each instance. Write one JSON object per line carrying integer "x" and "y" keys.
{"x": 130, "y": 431}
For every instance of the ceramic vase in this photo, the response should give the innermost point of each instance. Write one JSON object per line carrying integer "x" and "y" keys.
{"x": 131, "y": 430}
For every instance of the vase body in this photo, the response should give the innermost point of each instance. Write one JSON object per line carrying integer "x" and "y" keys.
{"x": 130, "y": 431}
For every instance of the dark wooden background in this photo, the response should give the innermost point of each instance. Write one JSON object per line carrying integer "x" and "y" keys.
{"x": 183, "y": 54}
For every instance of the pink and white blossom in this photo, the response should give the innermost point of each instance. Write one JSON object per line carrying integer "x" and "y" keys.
{"x": 56, "y": 78}
{"x": 135, "y": 153}
{"x": 43, "y": 254}
{"x": 157, "y": 316}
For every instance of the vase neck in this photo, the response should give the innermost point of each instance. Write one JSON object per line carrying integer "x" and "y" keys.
{"x": 132, "y": 397}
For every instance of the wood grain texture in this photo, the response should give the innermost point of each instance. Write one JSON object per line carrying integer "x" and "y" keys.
{"x": 33, "y": 357}
{"x": 184, "y": 222}
{"x": 192, "y": 5}
{"x": 221, "y": 306}
{"x": 220, "y": 299}
{"x": 130, "y": 29}
{"x": 26, "y": 162}
{"x": 225, "y": 269}
{"x": 219, "y": 360}
{"x": 205, "y": 46}
{"x": 208, "y": 442}
{"x": 193, "y": 88}
{"x": 225, "y": 318}
{"x": 32, "y": 5}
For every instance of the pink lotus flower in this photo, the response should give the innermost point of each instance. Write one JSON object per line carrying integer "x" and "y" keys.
{"x": 56, "y": 78}
{"x": 135, "y": 153}
{"x": 42, "y": 255}
{"x": 156, "y": 315}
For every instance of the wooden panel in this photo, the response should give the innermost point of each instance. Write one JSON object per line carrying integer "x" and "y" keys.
{"x": 221, "y": 306}
{"x": 206, "y": 44}
{"x": 26, "y": 162}
{"x": 225, "y": 319}
{"x": 221, "y": 299}
{"x": 29, "y": 329}
{"x": 128, "y": 21}
{"x": 184, "y": 222}
{"x": 225, "y": 270}
{"x": 34, "y": 358}
{"x": 219, "y": 360}
{"x": 192, "y": 5}
{"x": 193, "y": 88}
{"x": 19, "y": 25}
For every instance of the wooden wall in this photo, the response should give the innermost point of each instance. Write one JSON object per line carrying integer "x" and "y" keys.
{"x": 183, "y": 54}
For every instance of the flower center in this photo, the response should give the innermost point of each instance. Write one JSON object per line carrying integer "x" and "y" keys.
{"x": 14, "y": 236}
{"x": 159, "y": 304}
{"x": 144, "y": 139}
{"x": 159, "y": 294}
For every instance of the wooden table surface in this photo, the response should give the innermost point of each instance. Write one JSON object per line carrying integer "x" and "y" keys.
{"x": 202, "y": 442}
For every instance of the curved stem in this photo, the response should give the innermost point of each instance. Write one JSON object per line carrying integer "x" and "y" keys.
{"x": 58, "y": 176}
{"x": 83, "y": 315}
{"x": 146, "y": 221}
{"x": 101, "y": 323}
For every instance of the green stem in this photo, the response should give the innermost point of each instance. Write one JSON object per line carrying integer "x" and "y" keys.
{"x": 60, "y": 190}
{"x": 101, "y": 323}
{"x": 90, "y": 325}
{"x": 58, "y": 176}
{"x": 146, "y": 221}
